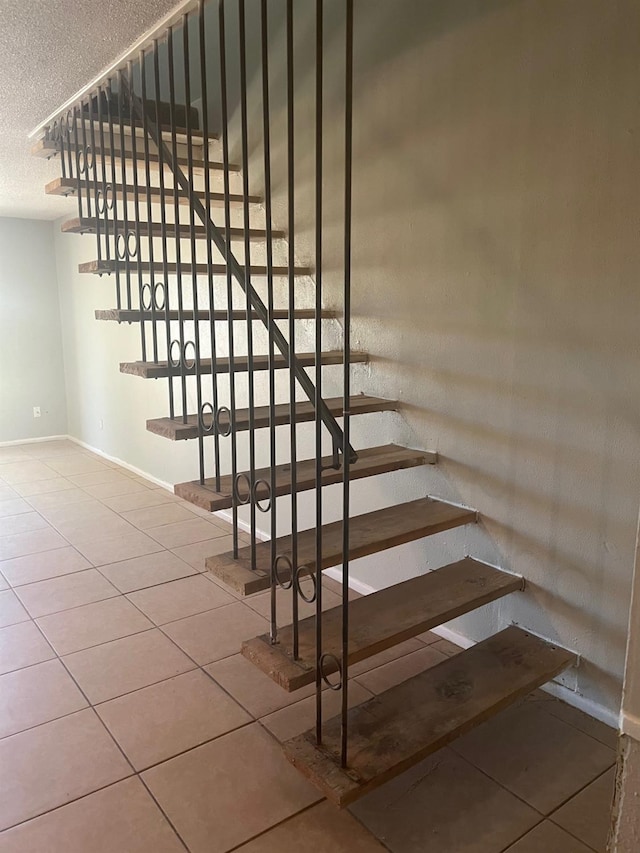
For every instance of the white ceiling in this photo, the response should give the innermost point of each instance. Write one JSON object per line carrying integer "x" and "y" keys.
{"x": 49, "y": 49}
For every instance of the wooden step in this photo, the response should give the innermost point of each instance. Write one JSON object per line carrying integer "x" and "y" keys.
{"x": 123, "y": 315}
{"x": 371, "y": 461}
{"x": 69, "y": 187}
{"x": 176, "y": 430}
{"x": 89, "y": 226}
{"x": 180, "y": 133}
{"x": 105, "y": 267}
{"x": 47, "y": 148}
{"x": 369, "y": 533}
{"x": 381, "y": 620}
{"x": 160, "y": 369}
{"x": 391, "y": 732}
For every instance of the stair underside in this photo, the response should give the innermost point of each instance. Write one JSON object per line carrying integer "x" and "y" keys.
{"x": 180, "y": 133}
{"x": 371, "y": 461}
{"x": 49, "y": 148}
{"x": 90, "y": 226}
{"x": 123, "y": 315}
{"x": 174, "y": 429}
{"x": 105, "y": 267}
{"x": 69, "y": 186}
{"x": 381, "y": 620}
{"x": 161, "y": 369}
{"x": 368, "y": 534}
{"x": 395, "y": 730}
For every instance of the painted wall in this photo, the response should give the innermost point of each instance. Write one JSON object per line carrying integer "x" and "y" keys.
{"x": 31, "y": 368}
{"x": 495, "y": 261}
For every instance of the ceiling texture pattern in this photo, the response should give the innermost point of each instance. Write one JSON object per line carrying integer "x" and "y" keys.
{"x": 49, "y": 50}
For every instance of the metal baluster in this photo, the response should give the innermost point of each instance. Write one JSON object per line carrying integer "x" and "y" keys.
{"x": 136, "y": 209}
{"x": 116, "y": 260}
{"x": 85, "y": 158}
{"x": 124, "y": 255}
{"x": 212, "y": 301}
{"x": 107, "y": 191}
{"x": 346, "y": 461}
{"x": 94, "y": 164}
{"x": 76, "y": 149}
{"x": 318, "y": 359}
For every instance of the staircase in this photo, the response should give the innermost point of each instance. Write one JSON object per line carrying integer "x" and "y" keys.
{"x": 177, "y": 228}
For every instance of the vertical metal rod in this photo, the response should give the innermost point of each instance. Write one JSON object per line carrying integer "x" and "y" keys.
{"x": 123, "y": 171}
{"x": 104, "y": 190}
{"x": 207, "y": 201}
{"x": 266, "y": 136}
{"x": 192, "y": 243}
{"x": 247, "y": 274}
{"x": 94, "y": 169}
{"x": 227, "y": 256}
{"x": 346, "y": 461}
{"x": 176, "y": 216}
{"x": 136, "y": 207}
{"x": 116, "y": 260}
{"x": 318, "y": 359}
{"x": 85, "y": 158}
{"x": 61, "y": 124}
{"x": 163, "y": 225}
{"x": 76, "y": 147}
{"x": 292, "y": 322}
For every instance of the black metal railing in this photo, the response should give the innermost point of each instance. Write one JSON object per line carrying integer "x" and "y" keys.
{"x": 148, "y": 182}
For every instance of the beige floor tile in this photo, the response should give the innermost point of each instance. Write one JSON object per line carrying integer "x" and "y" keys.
{"x": 576, "y": 718}
{"x": 28, "y": 471}
{"x": 140, "y": 500}
{"x": 36, "y": 695}
{"x": 428, "y": 638}
{"x": 261, "y": 603}
{"x": 179, "y": 599}
{"x": 13, "y": 506}
{"x": 44, "y": 565}
{"x": 155, "y": 516}
{"x": 298, "y": 718}
{"x": 32, "y": 542}
{"x": 7, "y": 493}
{"x": 218, "y": 633}
{"x": 105, "y": 474}
{"x": 124, "y": 486}
{"x": 77, "y": 514}
{"x": 92, "y": 624}
{"x": 48, "y": 449}
{"x": 385, "y": 657}
{"x": 3, "y": 583}
{"x": 255, "y": 788}
{"x": 446, "y": 647}
{"x": 113, "y": 549}
{"x": 75, "y": 463}
{"x": 112, "y": 669}
{"x": 535, "y": 755}
{"x": 61, "y": 593}
{"x": 587, "y": 816}
{"x": 444, "y": 805}
{"x": 22, "y": 645}
{"x": 52, "y": 764}
{"x": 384, "y": 677}
{"x": 44, "y": 487}
{"x": 254, "y": 690}
{"x": 14, "y": 453}
{"x": 197, "y": 553}
{"x": 548, "y": 838}
{"x": 146, "y": 571}
{"x": 52, "y": 500}
{"x": 160, "y": 721}
{"x": 22, "y": 523}
{"x": 11, "y": 610}
{"x": 320, "y": 829}
{"x": 119, "y": 819}
{"x": 89, "y": 531}
{"x": 336, "y": 586}
{"x": 185, "y": 532}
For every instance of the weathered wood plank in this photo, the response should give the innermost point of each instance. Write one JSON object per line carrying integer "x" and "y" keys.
{"x": 105, "y": 267}
{"x": 90, "y": 226}
{"x": 123, "y": 315}
{"x": 69, "y": 186}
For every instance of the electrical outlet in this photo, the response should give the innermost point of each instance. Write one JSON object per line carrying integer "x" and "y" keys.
{"x": 36, "y": 412}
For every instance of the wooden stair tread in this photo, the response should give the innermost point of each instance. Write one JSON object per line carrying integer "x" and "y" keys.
{"x": 48, "y": 148}
{"x": 89, "y": 226}
{"x": 124, "y": 315}
{"x": 160, "y": 369}
{"x": 371, "y": 461}
{"x": 174, "y": 429}
{"x": 105, "y": 267}
{"x": 391, "y": 732}
{"x": 69, "y": 186}
{"x": 381, "y": 620}
{"x": 181, "y": 135}
{"x": 369, "y": 533}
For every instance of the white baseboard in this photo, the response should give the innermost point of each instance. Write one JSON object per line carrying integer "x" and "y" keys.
{"x": 144, "y": 474}
{"x": 33, "y": 440}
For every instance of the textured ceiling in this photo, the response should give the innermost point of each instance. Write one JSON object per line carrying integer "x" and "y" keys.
{"x": 49, "y": 49}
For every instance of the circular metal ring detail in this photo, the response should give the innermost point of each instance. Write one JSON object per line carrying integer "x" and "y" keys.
{"x": 314, "y": 583}
{"x": 283, "y": 584}
{"x": 109, "y": 197}
{"x": 82, "y": 163}
{"x": 121, "y": 246}
{"x": 189, "y": 363}
{"x": 159, "y": 286}
{"x": 100, "y": 203}
{"x": 174, "y": 362}
{"x": 132, "y": 244}
{"x": 242, "y": 499}
{"x": 146, "y": 289}
{"x": 257, "y": 500}
{"x": 325, "y": 676}
{"x": 223, "y": 429}
{"x": 206, "y": 409}
{"x": 89, "y": 158}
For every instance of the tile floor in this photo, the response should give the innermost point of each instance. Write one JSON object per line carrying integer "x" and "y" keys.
{"x": 129, "y": 723}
